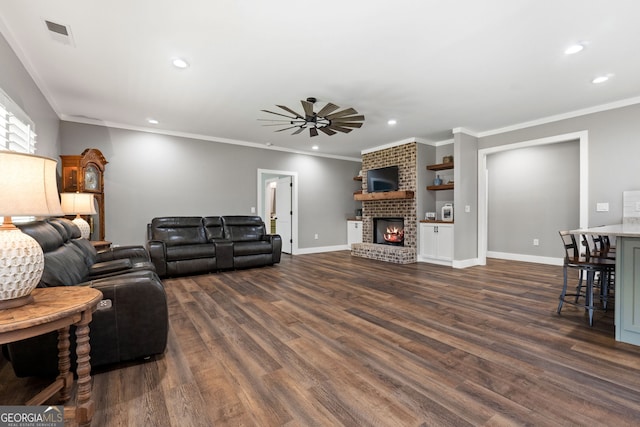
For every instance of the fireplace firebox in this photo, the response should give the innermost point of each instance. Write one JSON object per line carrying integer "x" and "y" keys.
{"x": 388, "y": 231}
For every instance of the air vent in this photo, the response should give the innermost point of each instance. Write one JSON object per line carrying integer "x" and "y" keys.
{"x": 60, "y": 33}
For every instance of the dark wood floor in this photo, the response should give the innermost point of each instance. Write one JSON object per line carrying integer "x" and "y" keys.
{"x": 330, "y": 339}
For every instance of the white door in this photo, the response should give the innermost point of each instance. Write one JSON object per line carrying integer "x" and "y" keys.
{"x": 284, "y": 210}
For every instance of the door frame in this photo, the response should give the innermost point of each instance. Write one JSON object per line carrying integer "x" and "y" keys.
{"x": 483, "y": 184}
{"x": 263, "y": 176}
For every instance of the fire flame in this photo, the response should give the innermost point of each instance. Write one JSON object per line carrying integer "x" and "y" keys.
{"x": 394, "y": 234}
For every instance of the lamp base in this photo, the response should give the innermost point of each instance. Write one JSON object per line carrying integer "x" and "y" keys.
{"x": 16, "y": 302}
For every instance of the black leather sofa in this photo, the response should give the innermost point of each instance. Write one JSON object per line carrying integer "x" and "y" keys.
{"x": 131, "y": 321}
{"x": 181, "y": 245}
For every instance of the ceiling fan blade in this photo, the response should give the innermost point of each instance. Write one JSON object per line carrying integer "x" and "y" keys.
{"x": 313, "y": 132}
{"x": 347, "y": 124}
{"x": 300, "y": 129}
{"x": 349, "y": 119}
{"x": 290, "y": 127}
{"x": 328, "y": 131}
{"x": 327, "y": 109}
{"x": 340, "y": 128}
{"x": 273, "y": 112}
{"x": 290, "y": 111}
{"x": 276, "y": 120}
{"x": 308, "y": 108}
{"x": 347, "y": 112}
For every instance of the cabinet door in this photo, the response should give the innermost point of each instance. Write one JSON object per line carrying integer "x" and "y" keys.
{"x": 354, "y": 232}
{"x": 445, "y": 242}
{"x": 428, "y": 241}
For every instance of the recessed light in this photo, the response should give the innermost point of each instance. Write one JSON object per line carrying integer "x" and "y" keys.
{"x": 153, "y": 121}
{"x": 392, "y": 122}
{"x": 600, "y": 79}
{"x": 315, "y": 147}
{"x": 179, "y": 63}
{"x": 578, "y": 47}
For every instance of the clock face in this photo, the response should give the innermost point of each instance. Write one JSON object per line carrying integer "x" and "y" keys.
{"x": 91, "y": 178}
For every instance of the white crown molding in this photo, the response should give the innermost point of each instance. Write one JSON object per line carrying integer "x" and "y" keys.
{"x": 396, "y": 144}
{"x": 89, "y": 121}
{"x": 564, "y": 116}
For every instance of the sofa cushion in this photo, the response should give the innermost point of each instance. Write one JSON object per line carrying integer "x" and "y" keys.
{"x": 205, "y": 250}
{"x": 213, "y": 227}
{"x": 252, "y": 248}
{"x": 64, "y": 266}
{"x": 243, "y": 228}
{"x": 44, "y": 233}
{"x": 87, "y": 249}
{"x": 176, "y": 231}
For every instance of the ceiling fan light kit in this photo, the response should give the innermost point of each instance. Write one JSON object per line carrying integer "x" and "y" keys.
{"x": 327, "y": 120}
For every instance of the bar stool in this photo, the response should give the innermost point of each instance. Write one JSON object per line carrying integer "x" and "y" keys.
{"x": 587, "y": 266}
{"x": 597, "y": 250}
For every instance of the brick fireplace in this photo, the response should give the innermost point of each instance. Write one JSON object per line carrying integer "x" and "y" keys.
{"x": 404, "y": 156}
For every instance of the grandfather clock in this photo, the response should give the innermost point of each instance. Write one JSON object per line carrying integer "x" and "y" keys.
{"x": 84, "y": 174}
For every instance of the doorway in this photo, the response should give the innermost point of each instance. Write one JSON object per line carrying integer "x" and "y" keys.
{"x": 483, "y": 178}
{"x": 278, "y": 204}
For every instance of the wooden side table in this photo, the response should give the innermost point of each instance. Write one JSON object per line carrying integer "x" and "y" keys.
{"x": 100, "y": 245}
{"x": 56, "y": 309}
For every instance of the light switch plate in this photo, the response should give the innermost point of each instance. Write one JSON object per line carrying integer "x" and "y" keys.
{"x": 602, "y": 207}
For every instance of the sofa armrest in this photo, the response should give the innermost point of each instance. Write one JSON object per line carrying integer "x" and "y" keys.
{"x": 113, "y": 266}
{"x": 134, "y": 253}
{"x": 158, "y": 253}
{"x": 276, "y": 244}
{"x": 134, "y": 310}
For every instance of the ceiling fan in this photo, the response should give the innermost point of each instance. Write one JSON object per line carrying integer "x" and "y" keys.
{"x": 326, "y": 120}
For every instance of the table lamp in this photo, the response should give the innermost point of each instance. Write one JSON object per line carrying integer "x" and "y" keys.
{"x": 28, "y": 187}
{"x": 79, "y": 204}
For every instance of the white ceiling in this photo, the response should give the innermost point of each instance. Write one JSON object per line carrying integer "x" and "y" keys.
{"x": 431, "y": 65}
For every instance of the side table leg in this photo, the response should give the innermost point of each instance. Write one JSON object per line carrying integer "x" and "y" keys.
{"x": 84, "y": 404}
{"x": 64, "y": 364}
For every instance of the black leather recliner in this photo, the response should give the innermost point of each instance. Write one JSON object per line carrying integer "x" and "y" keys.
{"x": 131, "y": 321}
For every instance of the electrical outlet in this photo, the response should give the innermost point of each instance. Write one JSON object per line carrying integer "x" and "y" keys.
{"x": 602, "y": 207}
{"x": 467, "y": 208}
{"x": 315, "y": 236}
{"x": 536, "y": 242}
{"x": 253, "y": 209}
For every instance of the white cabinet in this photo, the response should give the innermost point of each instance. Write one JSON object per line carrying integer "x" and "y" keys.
{"x": 436, "y": 242}
{"x": 354, "y": 232}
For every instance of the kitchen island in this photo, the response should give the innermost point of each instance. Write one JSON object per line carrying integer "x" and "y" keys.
{"x": 627, "y": 294}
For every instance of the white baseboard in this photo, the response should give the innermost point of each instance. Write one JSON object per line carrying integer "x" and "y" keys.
{"x": 320, "y": 249}
{"x": 526, "y": 258}
{"x": 464, "y": 263}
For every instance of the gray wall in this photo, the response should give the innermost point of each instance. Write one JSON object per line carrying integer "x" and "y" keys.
{"x": 150, "y": 175}
{"x": 18, "y": 84}
{"x": 613, "y": 153}
{"x": 533, "y": 193}
{"x": 465, "y": 235}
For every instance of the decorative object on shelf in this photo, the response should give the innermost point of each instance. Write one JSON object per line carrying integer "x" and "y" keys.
{"x": 447, "y": 159}
{"x": 79, "y": 204}
{"x": 437, "y": 180}
{"x": 324, "y": 120}
{"x": 28, "y": 187}
{"x": 84, "y": 173}
{"x": 447, "y": 212}
{"x": 430, "y": 216}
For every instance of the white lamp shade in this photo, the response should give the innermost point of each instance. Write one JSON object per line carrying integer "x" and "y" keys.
{"x": 78, "y": 204}
{"x": 28, "y": 185}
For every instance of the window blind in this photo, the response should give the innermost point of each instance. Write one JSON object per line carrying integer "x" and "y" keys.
{"x": 16, "y": 134}
{"x": 16, "y": 128}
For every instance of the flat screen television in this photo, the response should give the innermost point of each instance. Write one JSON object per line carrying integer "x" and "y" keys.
{"x": 382, "y": 179}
